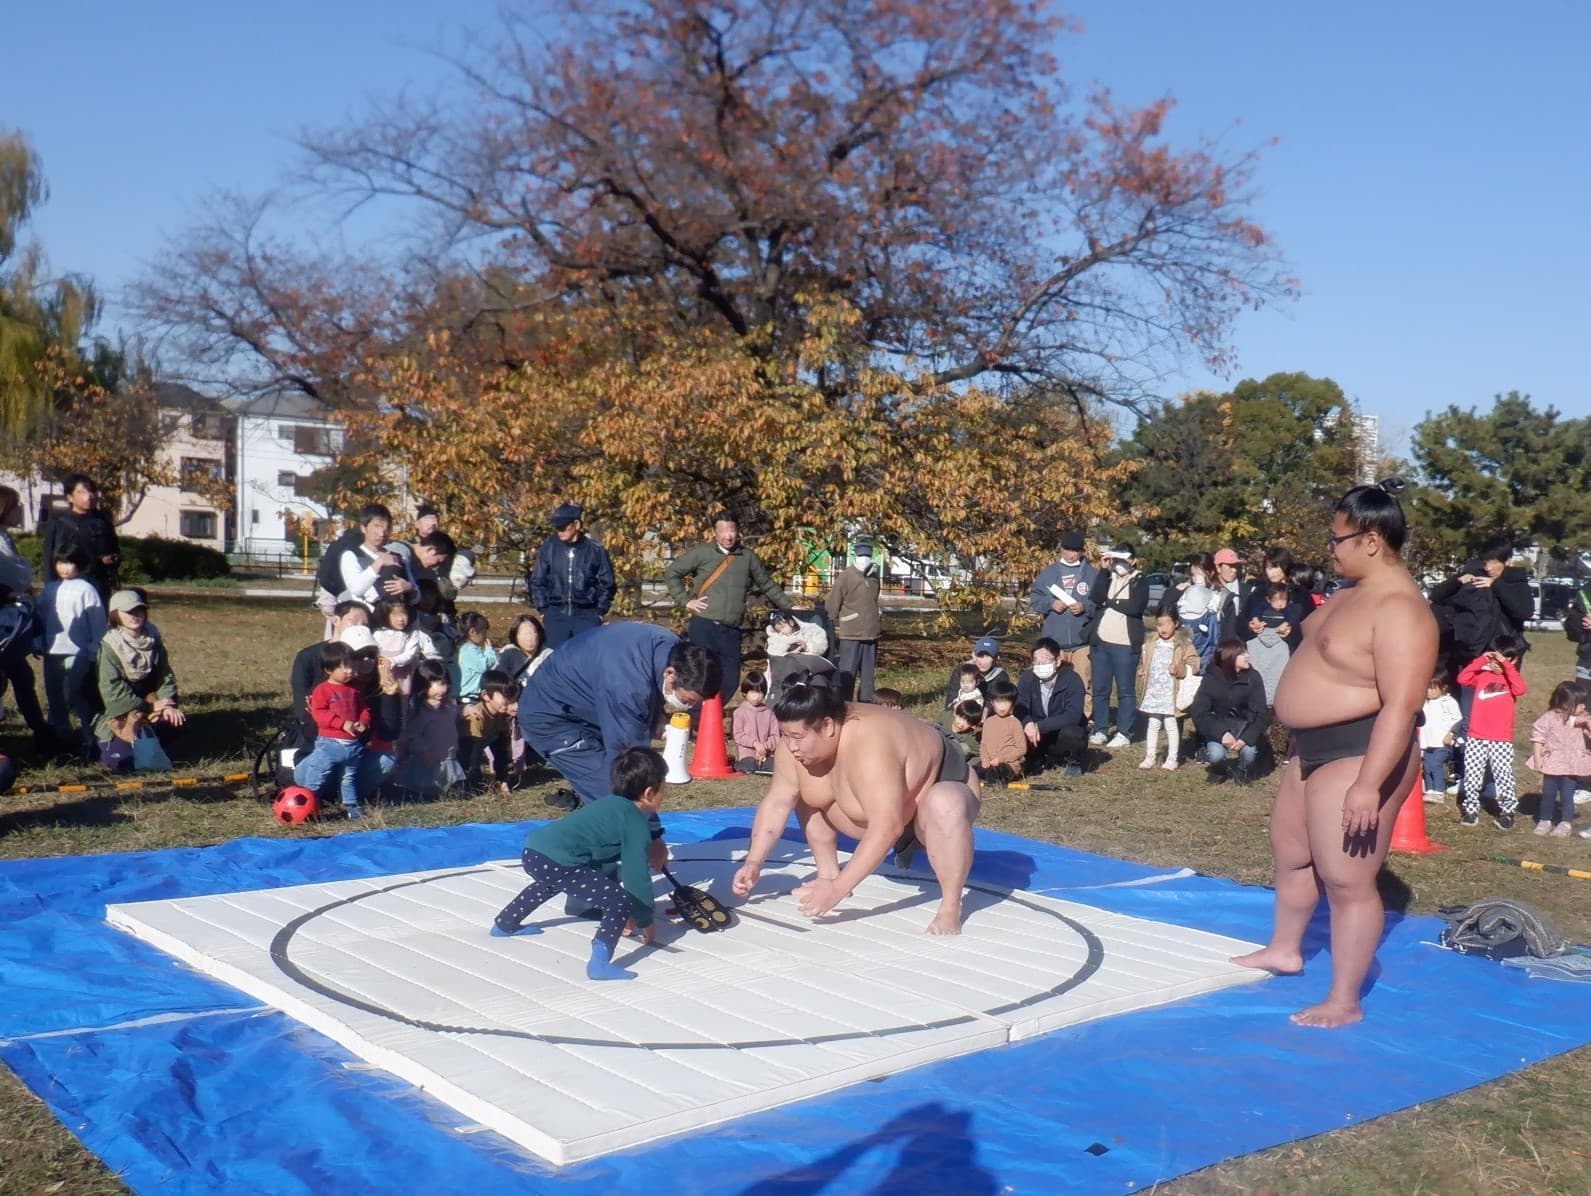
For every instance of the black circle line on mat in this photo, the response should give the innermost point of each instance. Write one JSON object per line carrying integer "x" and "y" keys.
{"x": 284, "y": 938}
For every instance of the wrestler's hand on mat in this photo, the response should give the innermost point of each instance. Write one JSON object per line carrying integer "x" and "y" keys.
{"x": 657, "y": 855}
{"x": 746, "y": 879}
{"x": 1361, "y": 809}
{"x": 818, "y": 896}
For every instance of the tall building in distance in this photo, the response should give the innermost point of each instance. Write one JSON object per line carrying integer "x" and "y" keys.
{"x": 1367, "y": 445}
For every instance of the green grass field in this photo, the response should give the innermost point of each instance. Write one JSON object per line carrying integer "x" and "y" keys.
{"x": 1530, "y": 1132}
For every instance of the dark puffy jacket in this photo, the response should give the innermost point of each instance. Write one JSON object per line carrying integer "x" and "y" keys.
{"x": 1572, "y": 627}
{"x": 1230, "y": 704}
{"x": 1471, "y": 617}
{"x": 571, "y": 577}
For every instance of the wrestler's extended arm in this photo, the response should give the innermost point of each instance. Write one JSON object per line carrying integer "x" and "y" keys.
{"x": 773, "y": 814}
{"x": 1403, "y": 651}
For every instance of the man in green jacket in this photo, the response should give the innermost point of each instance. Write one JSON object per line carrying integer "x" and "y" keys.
{"x": 723, "y": 572}
{"x": 853, "y": 609}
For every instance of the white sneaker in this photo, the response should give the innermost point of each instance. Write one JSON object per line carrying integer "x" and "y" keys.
{"x": 1119, "y": 741}
{"x": 1097, "y": 739}
{"x": 1452, "y": 790}
{"x": 1436, "y": 797}
{"x": 1147, "y": 764}
{"x": 1170, "y": 766}
{"x": 1543, "y": 826}
{"x": 1563, "y": 830}
{"x": 1586, "y": 834}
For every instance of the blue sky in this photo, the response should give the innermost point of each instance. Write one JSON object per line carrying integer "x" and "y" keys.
{"x": 1428, "y": 185}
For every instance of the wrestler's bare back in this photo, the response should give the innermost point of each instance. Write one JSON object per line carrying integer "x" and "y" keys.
{"x": 912, "y": 749}
{"x": 1331, "y": 678}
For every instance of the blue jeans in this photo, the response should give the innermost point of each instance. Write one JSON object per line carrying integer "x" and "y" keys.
{"x": 1433, "y": 765}
{"x": 1215, "y": 753}
{"x": 1115, "y": 663}
{"x": 343, "y": 756}
{"x": 1557, "y": 799}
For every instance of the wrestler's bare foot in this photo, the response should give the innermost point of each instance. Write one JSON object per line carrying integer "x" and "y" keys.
{"x": 946, "y": 921}
{"x": 1273, "y": 960}
{"x": 1328, "y": 1015}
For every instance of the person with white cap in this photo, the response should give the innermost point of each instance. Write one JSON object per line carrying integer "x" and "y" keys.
{"x": 1122, "y": 597}
{"x": 858, "y": 622}
{"x": 136, "y": 685}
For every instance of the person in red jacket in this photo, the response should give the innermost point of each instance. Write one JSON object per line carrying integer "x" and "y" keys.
{"x": 1489, "y": 741}
{"x": 342, "y": 717}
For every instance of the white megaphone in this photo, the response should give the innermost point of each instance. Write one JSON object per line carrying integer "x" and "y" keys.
{"x": 676, "y": 739}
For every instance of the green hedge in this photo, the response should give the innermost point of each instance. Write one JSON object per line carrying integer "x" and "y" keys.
{"x": 145, "y": 560}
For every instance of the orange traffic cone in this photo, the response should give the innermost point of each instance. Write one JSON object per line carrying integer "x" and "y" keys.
{"x": 1408, "y": 832}
{"x": 711, "y": 762}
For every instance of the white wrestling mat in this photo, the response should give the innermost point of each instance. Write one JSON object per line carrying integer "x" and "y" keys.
{"x": 401, "y": 971}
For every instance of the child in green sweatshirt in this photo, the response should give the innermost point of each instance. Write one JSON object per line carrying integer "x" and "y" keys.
{"x": 597, "y": 856}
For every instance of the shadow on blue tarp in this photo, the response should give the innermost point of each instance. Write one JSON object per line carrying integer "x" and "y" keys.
{"x": 183, "y": 1085}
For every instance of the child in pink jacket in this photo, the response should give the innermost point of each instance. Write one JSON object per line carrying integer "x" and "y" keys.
{"x": 1562, "y": 756}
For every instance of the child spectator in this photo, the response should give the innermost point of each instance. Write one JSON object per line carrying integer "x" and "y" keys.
{"x": 1270, "y": 634}
{"x": 1439, "y": 724}
{"x": 475, "y": 655}
{"x": 889, "y": 699}
{"x": 484, "y": 723}
{"x": 1561, "y": 756}
{"x": 755, "y": 729}
{"x": 1002, "y": 747}
{"x": 428, "y": 748}
{"x": 1168, "y": 658}
{"x": 579, "y": 854}
{"x": 342, "y": 718}
{"x": 74, "y": 625}
{"x": 1489, "y": 739}
{"x": 135, "y": 679}
{"x": 402, "y": 645}
{"x": 969, "y": 689}
{"x": 795, "y": 644}
{"x": 966, "y": 724}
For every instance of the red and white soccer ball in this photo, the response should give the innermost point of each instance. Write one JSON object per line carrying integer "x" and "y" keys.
{"x": 295, "y": 804}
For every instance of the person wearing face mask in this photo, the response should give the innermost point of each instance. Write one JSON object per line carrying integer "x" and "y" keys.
{"x": 1122, "y": 596}
{"x": 1049, "y": 703}
{"x": 853, "y": 609}
{"x": 605, "y": 690}
{"x": 1063, "y": 596}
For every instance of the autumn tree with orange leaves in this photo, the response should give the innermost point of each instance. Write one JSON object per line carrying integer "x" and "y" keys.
{"x": 825, "y": 262}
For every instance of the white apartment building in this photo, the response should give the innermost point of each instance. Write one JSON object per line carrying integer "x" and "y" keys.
{"x": 281, "y": 439}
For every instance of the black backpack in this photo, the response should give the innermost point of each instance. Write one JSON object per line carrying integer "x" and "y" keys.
{"x": 329, "y": 573}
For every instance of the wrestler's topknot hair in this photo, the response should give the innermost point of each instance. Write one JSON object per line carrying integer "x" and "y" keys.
{"x": 1376, "y": 509}
{"x": 808, "y": 699}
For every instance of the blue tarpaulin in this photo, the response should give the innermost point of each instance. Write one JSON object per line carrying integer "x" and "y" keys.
{"x": 183, "y": 1085}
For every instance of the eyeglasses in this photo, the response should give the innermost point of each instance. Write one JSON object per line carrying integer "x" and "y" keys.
{"x": 1332, "y": 540}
